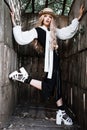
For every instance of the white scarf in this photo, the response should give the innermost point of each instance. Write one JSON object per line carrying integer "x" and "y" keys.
{"x": 48, "y": 63}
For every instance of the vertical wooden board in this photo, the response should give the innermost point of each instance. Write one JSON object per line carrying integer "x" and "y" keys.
{"x": 65, "y": 91}
{"x": 35, "y": 67}
{"x": 1, "y": 22}
{"x": 5, "y": 64}
{"x": 86, "y": 20}
{"x": 82, "y": 116}
{"x": 64, "y": 69}
{"x": 69, "y": 93}
{"x": 75, "y": 70}
{"x": 85, "y": 105}
{"x": 28, "y": 64}
{"x": 79, "y": 69}
{"x": 75, "y": 46}
{"x": 41, "y": 73}
{"x": 86, "y": 72}
{"x": 7, "y": 28}
{"x": 72, "y": 45}
{"x": 13, "y": 60}
{"x": 82, "y": 74}
{"x": 1, "y": 64}
{"x": 82, "y": 34}
{"x": 70, "y": 69}
{"x": 9, "y": 60}
{"x": 80, "y": 110}
{"x": 75, "y": 99}
{"x": 83, "y": 69}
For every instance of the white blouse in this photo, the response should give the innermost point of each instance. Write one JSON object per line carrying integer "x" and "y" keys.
{"x": 26, "y": 37}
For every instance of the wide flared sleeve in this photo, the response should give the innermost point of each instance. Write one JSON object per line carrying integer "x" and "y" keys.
{"x": 24, "y": 37}
{"x": 69, "y": 31}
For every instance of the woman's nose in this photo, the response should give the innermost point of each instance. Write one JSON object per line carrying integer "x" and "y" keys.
{"x": 48, "y": 18}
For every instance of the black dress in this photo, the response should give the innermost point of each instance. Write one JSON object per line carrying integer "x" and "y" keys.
{"x": 49, "y": 85}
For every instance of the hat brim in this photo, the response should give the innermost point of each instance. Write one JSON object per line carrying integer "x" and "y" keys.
{"x": 47, "y": 12}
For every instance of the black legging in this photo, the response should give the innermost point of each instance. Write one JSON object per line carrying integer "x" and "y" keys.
{"x": 49, "y": 85}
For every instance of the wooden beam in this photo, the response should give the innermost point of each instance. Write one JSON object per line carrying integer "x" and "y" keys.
{"x": 33, "y": 9}
{"x": 64, "y": 4}
{"x": 46, "y": 3}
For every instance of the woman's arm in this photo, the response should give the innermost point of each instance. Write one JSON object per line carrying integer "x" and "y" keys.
{"x": 69, "y": 31}
{"x": 22, "y": 37}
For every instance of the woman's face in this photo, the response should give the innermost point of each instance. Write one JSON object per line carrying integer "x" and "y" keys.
{"x": 47, "y": 20}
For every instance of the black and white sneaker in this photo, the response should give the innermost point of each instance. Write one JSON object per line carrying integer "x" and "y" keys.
{"x": 21, "y": 76}
{"x": 61, "y": 116}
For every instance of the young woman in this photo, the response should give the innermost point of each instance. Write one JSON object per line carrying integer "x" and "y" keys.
{"x": 46, "y": 33}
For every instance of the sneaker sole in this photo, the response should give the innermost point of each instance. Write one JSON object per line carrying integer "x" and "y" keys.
{"x": 12, "y": 74}
{"x": 23, "y": 71}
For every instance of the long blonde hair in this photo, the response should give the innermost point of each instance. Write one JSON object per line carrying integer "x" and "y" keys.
{"x": 52, "y": 29}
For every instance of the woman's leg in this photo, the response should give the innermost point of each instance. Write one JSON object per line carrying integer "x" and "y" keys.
{"x": 61, "y": 115}
{"x": 59, "y": 102}
{"x": 24, "y": 77}
{"x": 36, "y": 83}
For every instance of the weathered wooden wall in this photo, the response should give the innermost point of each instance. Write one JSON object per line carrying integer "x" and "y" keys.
{"x": 8, "y": 62}
{"x": 74, "y": 68}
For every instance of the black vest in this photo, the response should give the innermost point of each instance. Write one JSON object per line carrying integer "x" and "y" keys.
{"x": 41, "y": 36}
{"x": 42, "y": 40}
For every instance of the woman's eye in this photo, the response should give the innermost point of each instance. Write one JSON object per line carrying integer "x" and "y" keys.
{"x": 45, "y": 15}
{"x": 50, "y": 17}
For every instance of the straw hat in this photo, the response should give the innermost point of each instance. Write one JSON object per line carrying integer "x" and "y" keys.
{"x": 47, "y": 11}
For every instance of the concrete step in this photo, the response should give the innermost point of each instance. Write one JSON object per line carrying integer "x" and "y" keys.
{"x": 35, "y": 118}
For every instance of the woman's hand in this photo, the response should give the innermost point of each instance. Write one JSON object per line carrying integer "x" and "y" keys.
{"x": 13, "y": 18}
{"x": 81, "y": 11}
